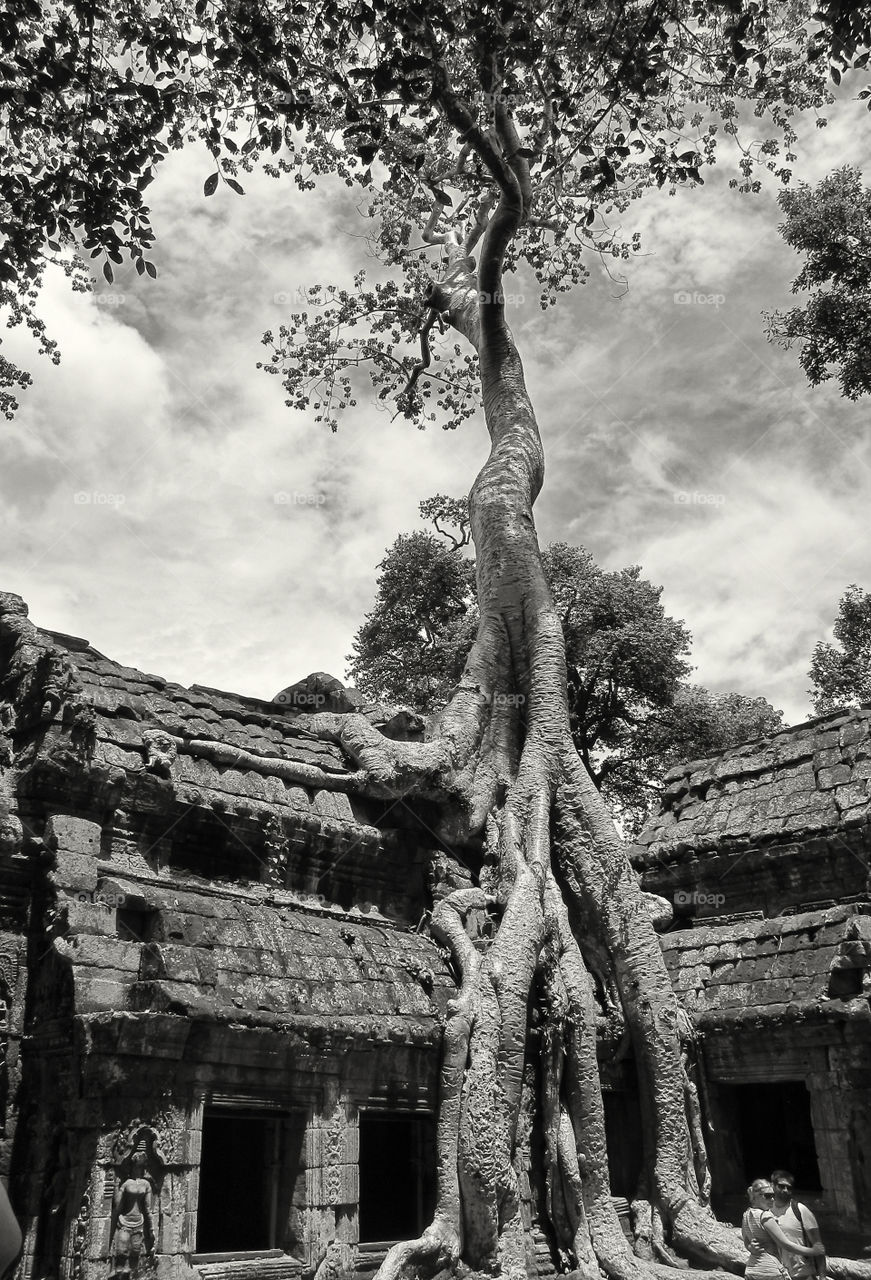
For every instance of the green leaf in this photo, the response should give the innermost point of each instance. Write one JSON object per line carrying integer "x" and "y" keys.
{"x": 210, "y": 185}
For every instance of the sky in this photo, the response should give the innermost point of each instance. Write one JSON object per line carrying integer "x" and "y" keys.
{"x": 161, "y": 501}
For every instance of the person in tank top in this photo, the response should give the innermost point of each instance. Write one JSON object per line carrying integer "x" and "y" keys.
{"x": 765, "y": 1242}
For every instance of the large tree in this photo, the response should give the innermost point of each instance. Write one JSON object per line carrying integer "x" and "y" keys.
{"x": 632, "y": 712}
{"x": 486, "y": 136}
{"x": 841, "y": 672}
{"x": 830, "y": 225}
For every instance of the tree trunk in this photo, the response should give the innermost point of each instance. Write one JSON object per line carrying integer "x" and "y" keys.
{"x": 556, "y": 872}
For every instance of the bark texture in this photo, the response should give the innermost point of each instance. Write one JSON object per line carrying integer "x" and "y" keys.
{"x": 569, "y": 907}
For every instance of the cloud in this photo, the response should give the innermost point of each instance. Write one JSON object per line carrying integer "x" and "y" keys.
{"x": 182, "y": 560}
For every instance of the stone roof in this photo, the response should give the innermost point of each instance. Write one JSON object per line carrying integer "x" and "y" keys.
{"x": 808, "y": 965}
{"x": 220, "y": 750}
{"x": 254, "y": 958}
{"x": 251, "y": 725}
{"x": 812, "y": 778}
{"x": 206, "y": 855}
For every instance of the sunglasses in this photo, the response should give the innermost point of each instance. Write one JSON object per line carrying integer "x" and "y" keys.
{"x": 767, "y": 1195}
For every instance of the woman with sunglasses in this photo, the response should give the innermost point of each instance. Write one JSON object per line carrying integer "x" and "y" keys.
{"x": 764, "y": 1238}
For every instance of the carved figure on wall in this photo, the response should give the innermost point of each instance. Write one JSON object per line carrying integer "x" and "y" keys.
{"x": 133, "y": 1229}
{"x": 160, "y": 751}
{"x": 153, "y": 1140}
{"x": 79, "y": 1236}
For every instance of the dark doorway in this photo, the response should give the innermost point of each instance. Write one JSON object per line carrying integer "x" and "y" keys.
{"x": 397, "y": 1175}
{"x": 774, "y": 1124}
{"x": 623, "y": 1137}
{"x": 239, "y": 1167}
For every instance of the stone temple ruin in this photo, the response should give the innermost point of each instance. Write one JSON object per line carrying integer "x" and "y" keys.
{"x": 219, "y": 999}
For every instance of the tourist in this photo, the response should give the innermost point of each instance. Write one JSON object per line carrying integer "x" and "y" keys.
{"x": 765, "y": 1241}
{"x": 799, "y": 1226}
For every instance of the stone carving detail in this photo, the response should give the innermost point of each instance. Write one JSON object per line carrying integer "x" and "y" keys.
{"x": 132, "y": 1224}
{"x": 7, "y": 964}
{"x": 11, "y": 830}
{"x": 79, "y": 1236}
{"x": 335, "y": 1263}
{"x": 138, "y": 1159}
{"x": 7, "y": 727}
{"x": 334, "y": 1143}
{"x": 154, "y": 1140}
{"x": 160, "y": 751}
{"x": 277, "y": 853}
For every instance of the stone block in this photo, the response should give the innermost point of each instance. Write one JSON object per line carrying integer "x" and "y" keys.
{"x": 180, "y": 964}
{"x": 854, "y": 793}
{"x": 73, "y": 835}
{"x": 833, "y": 777}
{"x": 106, "y": 953}
{"x": 101, "y": 1235}
{"x": 333, "y": 804}
{"x": 77, "y": 873}
{"x": 130, "y": 761}
{"x": 99, "y": 995}
{"x": 857, "y": 731}
{"x": 86, "y": 914}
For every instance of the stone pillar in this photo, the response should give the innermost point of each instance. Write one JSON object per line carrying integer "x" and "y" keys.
{"x": 830, "y": 1109}
{"x": 859, "y": 1147}
{"x": 332, "y": 1180}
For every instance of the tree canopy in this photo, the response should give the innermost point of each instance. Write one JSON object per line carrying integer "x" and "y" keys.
{"x": 841, "y": 672}
{"x": 633, "y": 713}
{"x": 428, "y": 109}
{"x": 830, "y": 224}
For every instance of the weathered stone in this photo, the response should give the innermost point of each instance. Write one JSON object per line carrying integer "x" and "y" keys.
{"x": 73, "y": 835}
{"x": 833, "y": 777}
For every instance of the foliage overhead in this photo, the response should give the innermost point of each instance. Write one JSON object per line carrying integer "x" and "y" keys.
{"x": 423, "y": 106}
{"x": 841, "y": 673}
{"x": 632, "y": 712}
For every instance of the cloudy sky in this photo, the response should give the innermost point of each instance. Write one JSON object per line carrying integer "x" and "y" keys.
{"x": 139, "y": 480}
